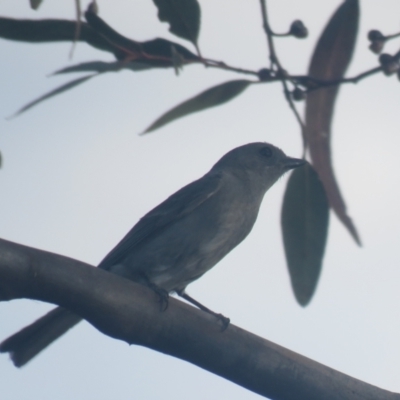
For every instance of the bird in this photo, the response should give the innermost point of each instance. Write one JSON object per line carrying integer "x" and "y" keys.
{"x": 180, "y": 239}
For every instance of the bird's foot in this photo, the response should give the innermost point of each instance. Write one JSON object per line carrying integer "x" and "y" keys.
{"x": 225, "y": 321}
{"x": 163, "y": 296}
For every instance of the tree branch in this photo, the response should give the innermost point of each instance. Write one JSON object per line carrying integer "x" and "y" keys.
{"x": 63, "y": 30}
{"x": 128, "y": 311}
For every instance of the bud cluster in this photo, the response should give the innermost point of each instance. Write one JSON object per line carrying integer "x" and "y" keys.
{"x": 377, "y": 40}
{"x": 390, "y": 64}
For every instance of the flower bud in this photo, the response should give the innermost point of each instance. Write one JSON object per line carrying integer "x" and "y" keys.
{"x": 389, "y": 64}
{"x": 298, "y": 29}
{"x": 264, "y": 74}
{"x": 376, "y": 46}
{"x": 375, "y": 35}
{"x": 298, "y": 94}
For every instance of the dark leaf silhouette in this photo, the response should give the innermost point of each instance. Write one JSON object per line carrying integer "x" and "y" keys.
{"x": 183, "y": 17}
{"x": 209, "y": 98}
{"x": 35, "y": 4}
{"x": 305, "y": 217}
{"x": 50, "y": 30}
{"x": 165, "y": 48}
{"x": 153, "y": 51}
{"x": 156, "y": 52}
{"x": 102, "y": 66}
{"x": 91, "y": 66}
{"x": 329, "y": 62}
{"x": 132, "y": 55}
{"x": 53, "y": 93}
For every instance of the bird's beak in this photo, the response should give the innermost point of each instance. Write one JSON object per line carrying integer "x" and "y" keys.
{"x": 291, "y": 163}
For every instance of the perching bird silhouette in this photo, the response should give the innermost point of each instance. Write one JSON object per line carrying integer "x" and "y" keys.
{"x": 180, "y": 239}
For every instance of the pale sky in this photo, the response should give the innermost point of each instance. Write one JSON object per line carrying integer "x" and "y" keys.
{"x": 76, "y": 177}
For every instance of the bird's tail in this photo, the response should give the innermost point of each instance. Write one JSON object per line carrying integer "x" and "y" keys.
{"x": 31, "y": 340}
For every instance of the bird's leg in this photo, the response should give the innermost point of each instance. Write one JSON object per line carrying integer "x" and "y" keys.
{"x": 225, "y": 321}
{"x": 162, "y": 293}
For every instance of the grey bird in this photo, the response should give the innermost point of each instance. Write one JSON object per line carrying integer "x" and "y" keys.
{"x": 180, "y": 239}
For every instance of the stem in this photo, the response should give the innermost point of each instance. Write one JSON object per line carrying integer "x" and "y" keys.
{"x": 395, "y": 35}
{"x": 78, "y": 26}
{"x": 281, "y": 73}
{"x": 268, "y": 32}
{"x": 307, "y": 81}
{"x": 221, "y": 65}
{"x": 296, "y": 114}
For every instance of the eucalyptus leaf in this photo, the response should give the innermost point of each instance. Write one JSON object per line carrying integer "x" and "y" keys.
{"x": 51, "y": 30}
{"x": 330, "y": 60}
{"x": 304, "y": 219}
{"x": 183, "y": 17}
{"x": 209, "y": 98}
{"x": 53, "y": 93}
{"x": 102, "y": 66}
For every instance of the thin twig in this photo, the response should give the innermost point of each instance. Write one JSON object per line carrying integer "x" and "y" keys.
{"x": 269, "y": 34}
{"x": 314, "y": 84}
{"x": 389, "y": 37}
{"x": 296, "y": 114}
{"x": 77, "y": 26}
{"x": 222, "y": 65}
{"x": 281, "y": 74}
{"x": 306, "y": 81}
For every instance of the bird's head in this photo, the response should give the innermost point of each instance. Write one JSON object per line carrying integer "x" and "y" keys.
{"x": 263, "y": 163}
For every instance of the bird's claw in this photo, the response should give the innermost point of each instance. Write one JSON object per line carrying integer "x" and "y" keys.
{"x": 225, "y": 321}
{"x": 162, "y": 294}
{"x": 163, "y": 300}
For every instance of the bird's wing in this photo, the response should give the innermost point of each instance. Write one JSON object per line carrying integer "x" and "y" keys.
{"x": 175, "y": 207}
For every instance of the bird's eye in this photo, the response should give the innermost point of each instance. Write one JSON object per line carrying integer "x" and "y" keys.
{"x": 266, "y": 151}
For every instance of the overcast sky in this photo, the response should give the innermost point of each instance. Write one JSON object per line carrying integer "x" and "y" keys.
{"x": 76, "y": 177}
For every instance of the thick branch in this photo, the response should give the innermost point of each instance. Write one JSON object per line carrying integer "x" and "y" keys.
{"x": 125, "y": 310}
